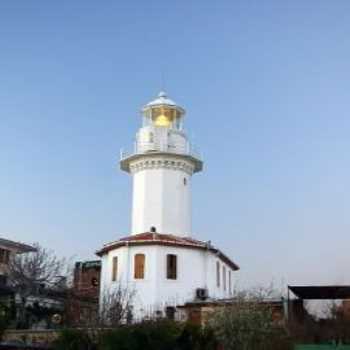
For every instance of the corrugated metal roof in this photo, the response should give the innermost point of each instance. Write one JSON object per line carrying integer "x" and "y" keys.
{"x": 332, "y": 292}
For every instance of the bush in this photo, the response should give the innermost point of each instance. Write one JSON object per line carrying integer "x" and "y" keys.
{"x": 248, "y": 324}
{"x": 73, "y": 339}
{"x": 155, "y": 335}
{"x": 4, "y": 320}
{"x": 194, "y": 337}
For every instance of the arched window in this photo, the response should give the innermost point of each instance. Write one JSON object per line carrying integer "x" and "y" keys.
{"x": 171, "y": 268}
{"x": 114, "y": 268}
{"x": 139, "y": 266}
{"x": 217, "y": 274}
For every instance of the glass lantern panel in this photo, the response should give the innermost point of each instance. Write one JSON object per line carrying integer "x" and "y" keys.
{"x": 163, "y": 116}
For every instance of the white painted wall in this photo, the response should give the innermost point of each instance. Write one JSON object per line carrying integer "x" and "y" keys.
{"x": 162, "y": 198}
{"x": 152, "y": 138}
{"x": 196, "y": 269}
{"x": 161, "y": 167}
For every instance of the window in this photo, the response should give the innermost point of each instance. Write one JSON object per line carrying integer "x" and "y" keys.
{"x": 170, "y": 313}
{"x": 229, "y": 282}
{"x": 217, "y": 274}
{"x": 115, "y": 268}
{"x": 4, "y": 256}
{"x": 185, "y": 181}
{"x": 139, "y": 266}
{"x": 171, "y": 267}
{"x": 3, "y": 280}
{"x": 224, "y": 276}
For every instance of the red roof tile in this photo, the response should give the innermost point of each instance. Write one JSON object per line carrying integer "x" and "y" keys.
{"x": 150, "y": 238}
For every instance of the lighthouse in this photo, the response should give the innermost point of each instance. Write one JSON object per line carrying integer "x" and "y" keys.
{"x": 160, "y": 261}
{"x": 161, "y": 167}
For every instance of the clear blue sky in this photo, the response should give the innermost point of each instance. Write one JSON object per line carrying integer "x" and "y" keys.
{"x": 266, "y": 85}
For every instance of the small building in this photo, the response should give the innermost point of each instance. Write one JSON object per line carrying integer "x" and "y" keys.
{"x": 87, "y": 276}
{"x": 332, "y": 324}
{"x": 9, "y": 248}
{"x": 83, "y": 298}
{"x": 199, "y": 312}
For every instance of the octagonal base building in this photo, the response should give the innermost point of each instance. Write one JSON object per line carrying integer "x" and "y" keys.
{"x": 160, "y": 263}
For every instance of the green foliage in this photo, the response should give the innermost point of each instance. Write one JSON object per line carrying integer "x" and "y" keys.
{"x": 155, "y": 335}
{"x": 194, "y": 337}
{"x": 4, "y": 320}
{"x": 73, "y": 339}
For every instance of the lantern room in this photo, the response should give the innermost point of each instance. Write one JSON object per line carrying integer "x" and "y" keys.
{"x": 163, "y": 113}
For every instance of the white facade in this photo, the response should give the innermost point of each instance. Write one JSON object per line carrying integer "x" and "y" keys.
{"x": 175, "y": 268}
{"x": 196, "y": 269}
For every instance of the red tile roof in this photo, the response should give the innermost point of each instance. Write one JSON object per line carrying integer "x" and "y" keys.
{"x": 150, "y": 238}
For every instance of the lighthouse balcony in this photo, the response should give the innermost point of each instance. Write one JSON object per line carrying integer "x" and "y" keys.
{"x": 153, "y": 147}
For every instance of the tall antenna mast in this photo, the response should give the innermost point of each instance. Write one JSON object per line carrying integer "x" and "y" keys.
{"x": 162, "y": 80}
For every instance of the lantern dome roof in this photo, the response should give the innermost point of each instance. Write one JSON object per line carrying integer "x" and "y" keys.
{"x": 163, "y": 100}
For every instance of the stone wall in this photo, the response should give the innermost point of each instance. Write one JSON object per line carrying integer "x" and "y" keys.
{"x": 32, "y": 337}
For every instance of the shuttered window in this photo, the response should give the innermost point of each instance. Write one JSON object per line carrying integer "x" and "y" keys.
{"x": 139, "y": 272}
{"x": 171, "y": 271}
{"x": 224, "y": 277}
{"x": 217, "y": 274}
{"x": 115, "y": 268}
{"x": 229, "y": 282}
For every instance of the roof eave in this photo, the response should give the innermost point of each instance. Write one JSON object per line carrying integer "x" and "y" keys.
{"x": 122, "y": 243}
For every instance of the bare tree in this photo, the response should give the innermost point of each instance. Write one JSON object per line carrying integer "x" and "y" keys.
{"x": 247, "y": 322}
{"x": 116, "y": 306}
{"x": 337, "y": 322}
{"x": 34, "y": 273}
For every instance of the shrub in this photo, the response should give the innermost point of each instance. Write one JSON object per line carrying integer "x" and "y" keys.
{"x": 195, "y": 337}
{"x": 155, "y": 335}
{"x": 73, "y": 339}
{"x": 246, "y": 324}
{"x": 4, "y": 320}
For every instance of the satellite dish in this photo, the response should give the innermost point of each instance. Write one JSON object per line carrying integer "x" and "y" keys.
{"x": 94, "y": 282}
{"x": 56, "y": 318}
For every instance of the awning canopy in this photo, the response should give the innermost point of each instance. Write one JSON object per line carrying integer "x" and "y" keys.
{"x": 321, "y": 292}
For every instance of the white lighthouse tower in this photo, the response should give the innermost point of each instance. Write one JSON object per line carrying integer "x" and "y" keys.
{"x": 162, "y": 166}
{"x": 160, "y": 261}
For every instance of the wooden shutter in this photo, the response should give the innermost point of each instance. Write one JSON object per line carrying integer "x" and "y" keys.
{"x": 139, "y": 272}
{"x": 115, "y": 268}
{"x": 217, "y": 274}
{"x": 229, "y": 282}
{"x": 171, "y": 272}
{"x": 224, "y": 277}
